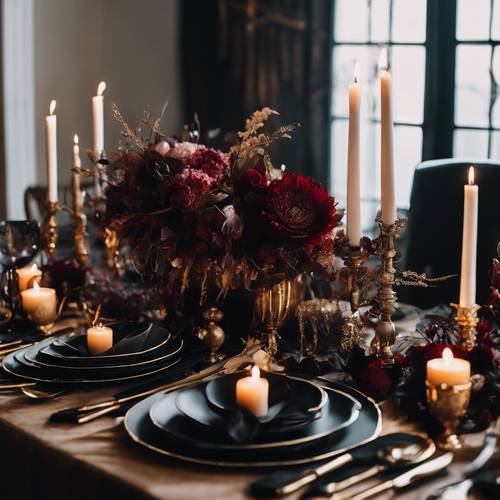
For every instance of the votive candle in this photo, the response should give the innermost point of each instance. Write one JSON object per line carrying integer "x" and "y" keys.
{"x": 252, "y": 393}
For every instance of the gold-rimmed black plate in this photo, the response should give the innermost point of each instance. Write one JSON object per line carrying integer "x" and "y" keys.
{"x": 366, "y": 428}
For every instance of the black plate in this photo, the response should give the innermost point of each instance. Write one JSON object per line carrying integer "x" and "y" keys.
{"x": 33, "y": 356}
{"x": 15, "y": 364}
{"x": 340, "y": 412}
{"x": 366, "y": 428}
{"x": 303, "y": 398}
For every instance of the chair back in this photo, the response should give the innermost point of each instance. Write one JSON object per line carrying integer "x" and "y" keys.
{"x": 434, "y": 232}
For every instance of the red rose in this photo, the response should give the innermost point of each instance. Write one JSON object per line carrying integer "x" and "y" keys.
{"x": 189, "y": 189}
{"x": 208, "y": 160}
{"x": 255, "y": 179}
{"x": 376, "y": 380}
{"x": 299, "y": 210}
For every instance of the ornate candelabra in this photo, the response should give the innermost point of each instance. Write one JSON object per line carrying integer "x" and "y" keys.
{"x": 79, "y": 221}
{"x": 353, "y": 326}
{"x": 467, "y": 321}
{"x": 49, "y": 229}
{"x": 385, "y": 332}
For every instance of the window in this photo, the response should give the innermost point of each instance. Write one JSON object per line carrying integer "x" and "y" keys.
{"x": 450, "y": 46}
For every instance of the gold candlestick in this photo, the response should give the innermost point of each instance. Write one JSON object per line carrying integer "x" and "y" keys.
{"x": 385, "y": 332}
{"x": 448, "y": 404}
{"x": 49, "y": 229}
{"x": 467, "y": 321}
{"x": 353, "y": 326}
{"x": 79, "y": 221}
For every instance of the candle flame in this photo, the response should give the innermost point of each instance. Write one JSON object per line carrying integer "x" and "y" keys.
{"x": 75, "y": 138}
{"x": 382, "y": 60}
{"x": 52, "y": 106}
{"x": 255, "y": 372}
{"x": 447, "y": 355}
{"x": 36, "y": 286}
{"x": 471, "y": 175}
{"x": 34, "y": 267}
{"x": 356, "y": 71}
{"x": 101, "y": 88}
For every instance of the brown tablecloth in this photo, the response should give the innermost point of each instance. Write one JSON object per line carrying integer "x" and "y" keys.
{"x": 40, "y": 460}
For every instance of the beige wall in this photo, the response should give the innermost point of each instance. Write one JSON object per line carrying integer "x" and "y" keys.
{"x": 131, "y": 44}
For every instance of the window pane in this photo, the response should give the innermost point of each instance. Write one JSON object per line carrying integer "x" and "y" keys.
{"x": 379, "y": 21}
{"x": 408, "y": 69}
{"x": 344, "y": 57}
{"x": 470, "y": 144}
{"x": 472, "y": 85}
{"x": 473, "y": 19}
{"x": 496, "y": 74}
{"x": 495, "y": 32}
{"x": 409, "y": 24}
{"x": 351, "y": 20}
{"x": 338, "y": 163}
{"x": 407, "y": 155}
{"x": 495, "y": 146}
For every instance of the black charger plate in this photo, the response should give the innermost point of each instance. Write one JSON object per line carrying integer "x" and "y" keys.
{"x": 340, "y": 412}
{"x": 366, "y": 428}
{"x": 16, "y": 365}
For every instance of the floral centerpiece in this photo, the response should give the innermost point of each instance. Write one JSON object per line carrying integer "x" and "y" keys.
{"x": 196, "y": 215}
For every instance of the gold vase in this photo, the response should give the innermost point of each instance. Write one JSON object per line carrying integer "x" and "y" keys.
{"x": 272, "y": 308}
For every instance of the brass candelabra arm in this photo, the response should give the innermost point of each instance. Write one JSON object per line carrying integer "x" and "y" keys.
{"x": 49, "y": 229}
{"x": 467, "y": 320}
{"x": 79, "y": 235}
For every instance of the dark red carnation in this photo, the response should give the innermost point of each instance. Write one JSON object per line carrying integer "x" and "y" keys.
{"x": 189, "y": 188}
{"x": 299, "y": 210}
{"x": 214, "y": 163}
{"x": 376, "y": 380}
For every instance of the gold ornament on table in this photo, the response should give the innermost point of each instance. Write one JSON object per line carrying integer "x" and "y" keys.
{"x": 212, "y": 334}
{"x": 448, "y": 403}
{"x": 273, "y": 306}
{"x": 112, "y": 249}
{"x": 467, "y": 320}
{"x": 385, "y": 331}
{"x": 49, "y": 229}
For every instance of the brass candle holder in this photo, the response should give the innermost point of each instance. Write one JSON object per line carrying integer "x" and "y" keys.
{"x": 467, "y": 321}
{"x": 385, "y": 331}
{"x": 49, "y": 229}
{"x": 79, "y": 221}
{"x": 448, "y": 403}
{"x": 212, "y": 334}
{"x": 352, "y": 328}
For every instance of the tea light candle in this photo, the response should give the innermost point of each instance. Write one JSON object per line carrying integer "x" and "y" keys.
{"x": 252, "y": 393}
{"x": 99, "y": 339}
{"x": 448, "y": 370}
{"x": 40, "y": 304}
{"x": 26, "y": 274}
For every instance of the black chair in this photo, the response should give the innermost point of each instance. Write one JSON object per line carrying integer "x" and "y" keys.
{"x": 434, "y": 232}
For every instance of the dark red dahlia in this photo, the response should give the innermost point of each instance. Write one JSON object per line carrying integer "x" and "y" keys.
{"x": 189, "y": 189}
{"x": 299, "y": 210}
{"x": 211, "y": 161}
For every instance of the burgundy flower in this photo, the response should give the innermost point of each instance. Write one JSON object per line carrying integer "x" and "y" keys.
{"x": 208, "y": 160}
{"x": 189, "y": 188}
{"x": 299, "y": 210}
{"x": 431, "y": 351}
{"x": 255, "y": 179}
{"x": 481, "y": 359}
{"x": 376, "y": 380}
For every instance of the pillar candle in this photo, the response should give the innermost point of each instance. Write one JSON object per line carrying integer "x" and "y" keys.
{"x": 388, "y": 200}
{"x": 448, "y": 370}
{"x": 98, "y": 119}
{"x": 99, "y": 339}
{"x": 40, "y": 304}
{"x": 469, "y": 244}
{"x": 252, "y": 393}
{"x": 353, "y": 224}
{"x": 75, "y": 178}
{"x": 51, "y": 146}
{"x": 26, "y": 274}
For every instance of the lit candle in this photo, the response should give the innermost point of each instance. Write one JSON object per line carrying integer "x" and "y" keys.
{"x": 252, "y": 393}
{"x": 40, "y": 304}
{"x": 75, "y": 179}
{"x": 99, "y": 339}
{"x": 388, "y": 200}
{"x": 469, "y": 244}
{"x": 353, "y": 224}
{"x": 448, "y": 370}
{"x": 51, "y": 140}
{"x": 26, "y": 274}
{"x": 98, "y": 118}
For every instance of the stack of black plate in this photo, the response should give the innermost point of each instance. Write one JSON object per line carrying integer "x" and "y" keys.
{"x": 139, "y": 350}
{"x": 306, "y": 421}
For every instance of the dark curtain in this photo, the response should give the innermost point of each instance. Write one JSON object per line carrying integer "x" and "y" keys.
{"x": 238, "y": 56}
